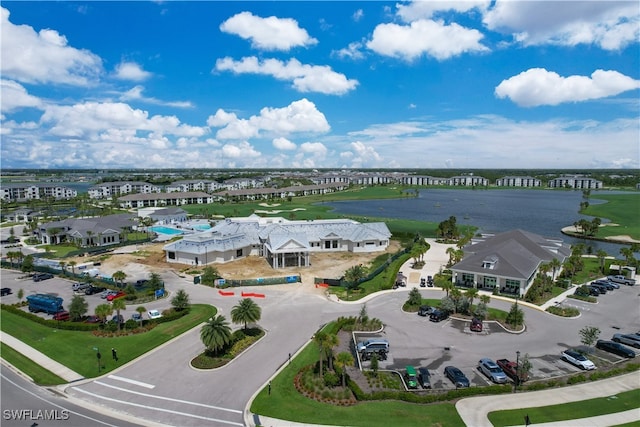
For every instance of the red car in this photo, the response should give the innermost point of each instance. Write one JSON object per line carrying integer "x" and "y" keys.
{"x": 111, "y": 297}
{"x": 61, "y": 315}
{"x": 476, "y": 325}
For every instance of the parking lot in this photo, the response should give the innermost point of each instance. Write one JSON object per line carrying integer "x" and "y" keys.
{"x": 416, "y": 341}
{"x": 62, "y": 288}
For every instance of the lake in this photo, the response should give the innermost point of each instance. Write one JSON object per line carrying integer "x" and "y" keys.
{"x": 544, "y": 212}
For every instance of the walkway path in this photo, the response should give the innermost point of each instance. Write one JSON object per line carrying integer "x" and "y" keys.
{"x": 474, "y": 410}
{"x": 40, "y": 358}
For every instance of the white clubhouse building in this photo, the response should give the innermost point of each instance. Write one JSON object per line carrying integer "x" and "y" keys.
{"x": 282, "y": 242}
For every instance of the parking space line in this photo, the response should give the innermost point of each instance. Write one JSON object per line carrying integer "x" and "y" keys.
{"x": 186, "y": 414}
{"x": 235, "y": 411}
{"x": 130, "y": 381}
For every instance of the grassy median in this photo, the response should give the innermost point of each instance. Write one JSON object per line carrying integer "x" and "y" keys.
{"x": 77, "y": 349}
{"x": 568, "y": 411}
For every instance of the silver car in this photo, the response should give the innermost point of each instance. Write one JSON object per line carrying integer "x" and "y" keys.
{"x": 626, "y": 340}
{"x": 492, "y": 371}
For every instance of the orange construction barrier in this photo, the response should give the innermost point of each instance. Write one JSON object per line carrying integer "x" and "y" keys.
{"x": 226, "y": 294}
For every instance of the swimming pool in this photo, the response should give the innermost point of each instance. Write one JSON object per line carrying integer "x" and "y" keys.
{"x": 201, "y": 227}
{"x": 164, "y": 230}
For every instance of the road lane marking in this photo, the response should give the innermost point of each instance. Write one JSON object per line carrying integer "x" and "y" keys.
{"x": 160, "y": 409}
{"x": 130, "y": 381}
{"x": 235, "y": 411}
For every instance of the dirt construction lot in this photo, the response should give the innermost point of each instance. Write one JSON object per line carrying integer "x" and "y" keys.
{"x": 139, "y": 262}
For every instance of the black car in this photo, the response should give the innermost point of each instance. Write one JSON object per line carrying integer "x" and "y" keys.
{"x": 456, "y": 376}
{"x": 593, "y": 291}
{"x": 94, "y": 290}
{"x": 608, "y": 286}
{"x": 5, "y": 291}
{"x": 615, "y": 348}
{"x": 42, "y": 276}
{"x": 599, "y": 287}
{"x": 425, "y": 310}
{"x": 438, "y": 315}
{"x": 424, "y": 377}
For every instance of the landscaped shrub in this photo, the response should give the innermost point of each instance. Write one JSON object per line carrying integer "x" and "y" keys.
{"x": 71, "y": 326}
{"x": 564, "y": 311}
{"x": 331, "y": 379}
{"x": 131, "y": 324}
{"x": 575, "y": 379}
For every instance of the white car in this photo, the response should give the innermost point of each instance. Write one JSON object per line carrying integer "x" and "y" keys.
{"x": 154, "y": 314}
{"x": 578, "y": 360}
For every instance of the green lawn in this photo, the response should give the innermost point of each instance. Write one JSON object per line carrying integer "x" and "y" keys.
{"x": 75, "y": 349}
{"x": 37, "y": 373}
{"x": 568, "y": 411}
{"x": 621, "y": 209}
{"x": 286, "y": 403}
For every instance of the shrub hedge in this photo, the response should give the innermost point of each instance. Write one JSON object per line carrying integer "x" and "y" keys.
{"x": 66, "y": 325}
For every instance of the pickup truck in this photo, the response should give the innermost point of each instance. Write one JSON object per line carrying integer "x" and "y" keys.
{"x": 622, "y": 280}
{"x": 509, "y": 369}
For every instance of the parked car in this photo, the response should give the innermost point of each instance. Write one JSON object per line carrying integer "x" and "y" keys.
{"x": 424, "y": 377}
{"x": 614, "y": 285}
{"x": 492, "y": 371}
{"x": 5, "y": 291}
{"x": 425, "y": 310}
{"x": 593, "y": 291}
{"x": 61, "y": 316}
{"x": 578, "y": 360}
{"x": 116, "y": 295}
{"x": 104, "y": 294}
{"x": 626, "y": 340}
{"x": 94, "y": 290}
{"x": 37, "y": 277}
{"x": 154, "y": 314}
{"x": 92, "y": 319}
{"x": 510, "y": 368}
{"x": 140, "y": 283}
{"x": 136, "y": 316}
{"x": 601, "y": 288}
{"x": 411, "y": 377}
{"x": 615, "y": 348}
{"x": 438, "y": 315}
{"x": 118, "y": 318}
{"x": 456, "y": 376}
{"x": 373, "y": 345}
{"x": 476, "y": 325}
{"x": 607, "y": 285}
{"x": 622, "y": 280}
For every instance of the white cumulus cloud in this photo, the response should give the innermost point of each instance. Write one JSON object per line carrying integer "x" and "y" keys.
{"x": 426, "y": 9}
{"x": 538, "y": 86}
{"x": 284, "y": 144}
{"x": 14, "y": 96}
{"x": 43, "y": 57}
{"x": 300, "y": 116}
{"x": 304, "y": 78}
{"x": 271, "y": 33}
{"x": 131, "y": 71}
{"x": 425, "y": 37}
{"x": 611, "y": 25}
{"x": 135, "y": 94}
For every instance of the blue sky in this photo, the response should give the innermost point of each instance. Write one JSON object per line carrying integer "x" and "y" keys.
{"x": 320, "y": 84}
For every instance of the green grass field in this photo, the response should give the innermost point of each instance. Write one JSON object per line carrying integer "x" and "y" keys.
{"x": 37, "y": 373}
{"x": 568, "y": 411}
{"x": 75, "y": 349}
{"x": 621, "y": 209}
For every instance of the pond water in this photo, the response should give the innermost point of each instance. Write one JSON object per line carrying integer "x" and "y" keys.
{"x": 492, "y": 211}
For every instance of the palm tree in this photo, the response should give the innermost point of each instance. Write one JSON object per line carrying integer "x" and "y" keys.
{"x": 119, "y": 277}
{"x": 103, "y": 311}
{"x": 451, "y": 252}
{"x": 354, "y": 275}
{"x": 246, "y": 311}
{"x": 471, "y": 294}
{"x": 343, "y": 360}
{"x": 140, "y": 310}
{"x": 73, "y": 264}
{"x": 320, "y": 338}
{"x": 331, "y": 341}
{"x": 215, "y": 334}
{"x": 181, "y": 300}
{"x": 602, "y": 255}
{"x": 118, "y": 304}
{"x": 63, "y": 267}
{"x": 485, "y": 299}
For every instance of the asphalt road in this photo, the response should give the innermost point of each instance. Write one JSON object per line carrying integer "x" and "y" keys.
{"x": 25, "y": 404}
{"x": 162, "y": 387}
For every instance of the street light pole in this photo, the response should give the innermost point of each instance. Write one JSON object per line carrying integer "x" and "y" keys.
{"x": 517, "y": 382}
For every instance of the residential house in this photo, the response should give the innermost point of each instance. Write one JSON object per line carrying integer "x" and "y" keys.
{"x": 575, "y": 181}
{"x": 106, "y": 190}
{"x": 164, "y": 199}
{"x": 20, "y": 192}
{"x": 97, "y": 231}
{"x": 518, "y": 181}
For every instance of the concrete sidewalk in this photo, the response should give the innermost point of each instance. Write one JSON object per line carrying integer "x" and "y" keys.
{"x": 474, "y": 410}
{"x": 40, "y": 358}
